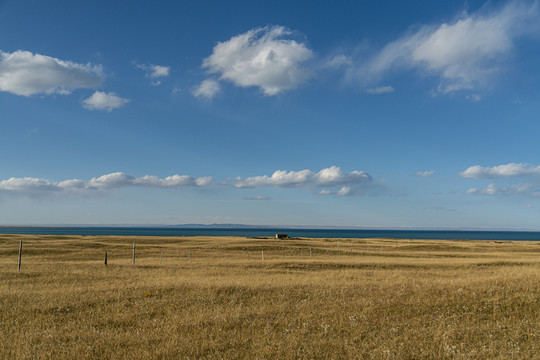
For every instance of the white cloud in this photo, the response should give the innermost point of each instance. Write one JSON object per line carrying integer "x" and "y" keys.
{"x": 524, "y": 189}
{"x": 331, "y": 177}
{"x": 111, "y": 181}
{"x": 257, "y": 198}
{"x": 344, "y": 191}
{"x": 207, "y": 89}
{"x": 154, "y": 72}
{"x": 425, "y": 173}
{"x": 339, "y": 61}
{"x": 507, "y": 170}
{"x": 203, "y": 181}
{"x": 104, "y": 101}
{"x": 279, "y": 178}
{"x": 261, "y": 57}
{"x": 334, "y": 176}
{"x": 474, "y": 97}
{"x": 24, "y": 73}
{"x": 330, "y": 181}
{"x": 463, "y": 53}
{"x": 157, "y": 71}
{"x": 30, "y": 186}
{"x": 380, "y": 90}
{"x": 490, "y": 190}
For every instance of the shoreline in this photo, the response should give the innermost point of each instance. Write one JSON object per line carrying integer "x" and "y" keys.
{"x": 533, "y": 236}
{"x": 389, "y": 240}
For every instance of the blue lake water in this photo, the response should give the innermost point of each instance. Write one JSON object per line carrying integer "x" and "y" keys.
{"x": 256, "y": 232}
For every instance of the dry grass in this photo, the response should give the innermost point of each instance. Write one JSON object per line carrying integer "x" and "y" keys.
{"x": 366, "y": 299}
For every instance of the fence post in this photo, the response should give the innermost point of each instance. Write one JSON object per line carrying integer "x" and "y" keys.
{"x": 105, "y": 258}
{"x": 262, "y": 255}
{"x": 133, "y": 257}
{"x": 20, "y": 254}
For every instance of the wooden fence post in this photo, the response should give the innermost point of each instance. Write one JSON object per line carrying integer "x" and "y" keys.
{"x": 105, "y": 258}
{"x": 262, "y": 255}
{"x": 133, "y": 257}
{"x": 20, "y": 254}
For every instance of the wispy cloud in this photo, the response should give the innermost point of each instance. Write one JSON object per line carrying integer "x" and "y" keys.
{"x": 24, "y": 73}
{"x": 207, "y": 89}
{"x": 263, "y": 57}
{"x": 463, "y": 54}
{"x": 104, "y": 101}
{"x": 257, "y": 198}
{"x": 425, "y": 173}
{"x": 380, "y": 90}
{"x": 339, "y": 61}
{"x": 154, "y": 72}
{"x": 474, "y": 97}
{"x": 528, "y": 189}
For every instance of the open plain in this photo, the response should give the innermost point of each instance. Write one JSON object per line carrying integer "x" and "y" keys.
{"x": 246, "y": 298}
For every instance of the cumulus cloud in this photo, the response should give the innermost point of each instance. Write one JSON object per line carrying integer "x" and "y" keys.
{"x": 425, "y": 173}
{"x": 463, "y": 53}
{"x": 328, "y": 181}
{"x": 528, "y": 186}
{"x": 506, "y": 170}
{"x": 380, "y": 90}
{"x": 279, "y": 178}
{"x": 24, "y": 73}
{"x": 207, "y": 89}
{"x": 30, "y": 186}
{"x": 263, "y": 57}
{"x": 333, "y": 177}
{"x": 104, "y": 101}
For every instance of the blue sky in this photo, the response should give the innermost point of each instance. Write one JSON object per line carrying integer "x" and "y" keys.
{"x": 347, "y": 113}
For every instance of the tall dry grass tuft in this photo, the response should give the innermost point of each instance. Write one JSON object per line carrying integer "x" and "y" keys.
{"x": 367, "y": 299}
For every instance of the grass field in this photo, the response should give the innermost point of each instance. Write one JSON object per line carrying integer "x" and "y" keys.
{"x": 347, "y": 299}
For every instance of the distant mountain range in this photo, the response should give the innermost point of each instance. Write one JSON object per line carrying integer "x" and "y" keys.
{"x": 245, "y": 226}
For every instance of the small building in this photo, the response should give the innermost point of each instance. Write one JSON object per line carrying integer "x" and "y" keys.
{"x": 282, "y": 236}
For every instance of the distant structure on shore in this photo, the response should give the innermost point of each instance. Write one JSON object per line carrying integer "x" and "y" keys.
{"x": 282, "y": 236}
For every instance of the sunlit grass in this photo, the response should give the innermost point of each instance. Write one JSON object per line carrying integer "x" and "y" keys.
{"x": 367, "y": 298}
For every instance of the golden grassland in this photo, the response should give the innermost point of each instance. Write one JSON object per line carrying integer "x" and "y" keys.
{"x": 348, "y": 299}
